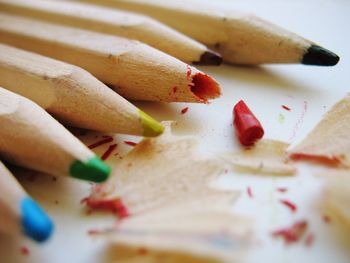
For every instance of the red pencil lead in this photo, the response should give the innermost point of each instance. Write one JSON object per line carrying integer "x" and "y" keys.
{"x": 248, "y": 128}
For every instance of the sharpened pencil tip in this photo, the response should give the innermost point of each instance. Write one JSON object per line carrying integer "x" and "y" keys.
{"x": 35, "y": 223}
{"x": 319, "y": 56}
{"x": 94, "y": 170}
{"x": 151, "y": 127}
{"x": 209, "y": 58}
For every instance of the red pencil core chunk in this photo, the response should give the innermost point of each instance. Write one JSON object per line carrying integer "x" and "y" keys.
{"x": 116, "y": 206}
{"x": 248, "y": 128}
{"x": 205, "y": 87}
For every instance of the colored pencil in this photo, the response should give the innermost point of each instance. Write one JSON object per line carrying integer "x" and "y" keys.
{"x": 133, "y": 69}
{"x": 71, "y": 94}
{"x": 18, "y": 212}
{"x": 31, "y": 138}
{"x": 114, "y": 22}
{"x": 240, "y": 38}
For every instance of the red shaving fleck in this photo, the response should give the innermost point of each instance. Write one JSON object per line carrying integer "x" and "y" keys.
{"x": 331, "y": 161}
{"x": 130, "y": 143}
{"x": 309, "y": 240}
{"x": 84, "y": 200}
{"x": 289, "y": 204}
{"x": 184, "y": 110}
{"x": 188, "y": 72}
{"x": 116, "y": 206}
{"x": 142, "y": 251}
{"x": 174, "y": 89}
{"x": 285, "y": 107}
{"x": 299, "y": 122}
{"x": 293, "y": 233}
{"x": 326, "y": 219}
{"x": 109, "y": 151}
{"x": 101, "y": 142}
{"x": 248, "y": 128}
{"x": 250, "y": 192}
{"x": 25, "y": 251}
{"x": 282, "y": 189}
{"x": 92, "y": 232}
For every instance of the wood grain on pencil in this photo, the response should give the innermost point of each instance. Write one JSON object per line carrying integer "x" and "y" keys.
{"x": 31, "y": 138}
{"x": 114, "y": 22}
{"x": 18, "y": 212}
{"x": 240, "y": 38}
{"x": 135, "y": 70}
{"x": 71, "y": 94}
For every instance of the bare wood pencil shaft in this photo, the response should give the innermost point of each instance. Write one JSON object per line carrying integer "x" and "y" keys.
{"x": 11, "y": 194}
{"x": 19, "y": 213}
{"x": 239, "y": 37}
{"x": 120, "y": 23}
{"x": 31, "y": 138}
{"x": 133, "y": 69}
{"x": 68, "y": 92}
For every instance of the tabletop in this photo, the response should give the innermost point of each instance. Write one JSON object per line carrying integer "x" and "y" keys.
{"x": 308, "y": 91}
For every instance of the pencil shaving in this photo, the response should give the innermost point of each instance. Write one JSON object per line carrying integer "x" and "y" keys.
{"x": 166, "y": 166}
{"x": 328, "y": 142}
{"x": 194, "y": 231}
{"x": 266, "y": 157}
{"x": 163, "y": 182}
{"x": 336, "y": 197}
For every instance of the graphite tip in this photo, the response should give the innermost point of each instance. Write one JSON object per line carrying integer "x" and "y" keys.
{"x": 209, "y": 57}
{"x": 319, "y": 56}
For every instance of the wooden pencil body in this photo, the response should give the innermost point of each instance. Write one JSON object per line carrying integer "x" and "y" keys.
{"x": 133, "y": 69}
{"x": 240, "y": 38}
{"x": 109, "y": 21}
{"x": 11, "y": 194}
{"x": 31, "y": 138}
{"x": 68, "y": 92}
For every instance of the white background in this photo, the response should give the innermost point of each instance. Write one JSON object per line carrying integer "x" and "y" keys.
{"x": 264, "y": 89}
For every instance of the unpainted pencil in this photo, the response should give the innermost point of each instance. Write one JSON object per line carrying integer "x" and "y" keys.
{"x": 31, "y": 138}
{"x": 133, "y": 69}
{"x": 71, "y": 94}
{"x": 114, "y": 22}
{"x": 240, "y": 38}
{"x": 18, "y": 212}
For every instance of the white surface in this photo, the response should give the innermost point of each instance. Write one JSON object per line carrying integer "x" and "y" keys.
{"x": 264, "y": 89}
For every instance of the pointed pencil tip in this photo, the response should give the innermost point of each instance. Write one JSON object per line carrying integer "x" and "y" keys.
{"x": 209, "y": 57}
{"x": 319, "y": 56}
{"x": 94, "y": 170}
{"x": 35, "y": 223}
{"x": 151, "y": 127}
